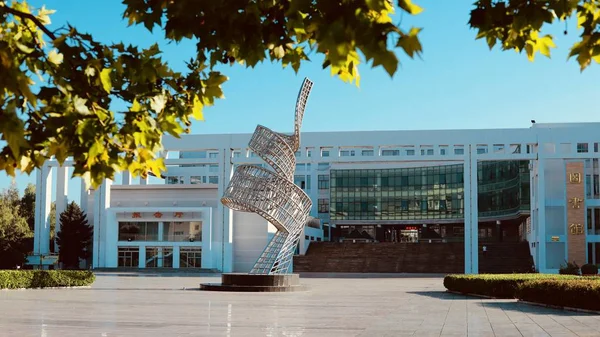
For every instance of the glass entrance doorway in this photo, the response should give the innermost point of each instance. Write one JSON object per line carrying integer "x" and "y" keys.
{"x": 400, "y": 233}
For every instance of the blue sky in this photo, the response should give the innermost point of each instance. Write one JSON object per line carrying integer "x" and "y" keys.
{"x": 458, "y": 83}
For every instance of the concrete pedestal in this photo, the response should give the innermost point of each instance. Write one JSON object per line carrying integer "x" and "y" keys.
{"x": 256, "y": 283}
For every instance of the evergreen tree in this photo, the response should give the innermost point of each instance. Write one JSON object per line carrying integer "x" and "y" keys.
{"x": 27, "y": 205}
{"x": 74, "y": 237}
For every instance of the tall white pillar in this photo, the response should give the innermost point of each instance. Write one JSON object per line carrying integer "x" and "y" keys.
{"x": 225, "y": 263}
{"x": 101, "y": 204}
{"x": 62, "y": 183}
{"x": 43, "y": 198}
{"x": 471, "y": 215}
{"x": 541, "y": 217}
{"x": 126, "y": 179}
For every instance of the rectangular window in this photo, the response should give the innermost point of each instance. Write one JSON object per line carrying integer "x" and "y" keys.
{"x": 138, "y": 231}
{"x": 213, "y": 179}
{"x": 323, "y": 205}
{"x": 427, "y": 152}
{"x": 323, "y": 166}
{"x": 177, "y": 231}
{"x": 194, "y": 180}
{"x": 324, "y": 153}
{"x": 595, "y": 147}
{"x": 323, "y": 181}
{"x": 300, "y": 181}
{"x": 459, "y": 151}
{"x": 367, "y": 153}
{"x": 347, "y": 153}
{"x": 443, "y": 151}
{"x": 410, "y": 152}
{"x": 175, "y": 180}
{"x": 159, "y": 257}
{"x": 237, "y": 154}
{"x": 213, "y": 155}
{"x": 582, "y": 147}
{"x": 309, "y": 153}
{"x": 190, "y": 257}
{"x": 128, "y": 257}
{"x": 390, "y": 152}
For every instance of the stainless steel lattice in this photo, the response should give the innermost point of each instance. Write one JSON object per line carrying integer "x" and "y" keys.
{"x": 273, "y": 195}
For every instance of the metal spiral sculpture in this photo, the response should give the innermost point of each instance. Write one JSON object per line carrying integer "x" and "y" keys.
{"x": 273, "y": 195}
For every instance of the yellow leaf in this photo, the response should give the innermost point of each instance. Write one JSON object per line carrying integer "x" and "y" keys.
{"x": 197, "y": 109}
{"x": 105, "y": 79}
{"x": 530, "y": 49}
{"x": 544, "y": 44}
{"x": 136, "y": 106}
{"x": 411, "y": 8}
{"x": 55, "y": 57}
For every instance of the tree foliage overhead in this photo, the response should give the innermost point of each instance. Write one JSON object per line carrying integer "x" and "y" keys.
{"x": 57, "y": 86}
{"x": 74, "y": 237}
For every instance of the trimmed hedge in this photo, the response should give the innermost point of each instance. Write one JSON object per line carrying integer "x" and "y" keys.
{"x": 17, "y": 279}
{"x": 499, "y": 286}
{"x": 583, "y": 293}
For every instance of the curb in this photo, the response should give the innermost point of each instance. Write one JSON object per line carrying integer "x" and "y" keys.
{"x": 560, "y": 308}
{"x": 478, "y": 295}
{"x": 44, "y": 288}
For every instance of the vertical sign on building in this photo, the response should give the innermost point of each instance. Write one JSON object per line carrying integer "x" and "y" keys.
{"x": 575, "y": 213}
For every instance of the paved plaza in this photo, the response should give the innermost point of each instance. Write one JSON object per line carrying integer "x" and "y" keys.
{"x": 336, "y": 305}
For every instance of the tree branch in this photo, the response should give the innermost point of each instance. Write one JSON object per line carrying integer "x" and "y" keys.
{"x": 29, "y": 16}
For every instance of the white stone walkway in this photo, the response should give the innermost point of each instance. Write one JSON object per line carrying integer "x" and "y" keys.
{"x": 343, "y": 305}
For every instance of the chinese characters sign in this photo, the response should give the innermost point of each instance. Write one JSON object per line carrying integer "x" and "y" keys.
{"x": 576, "y": 213}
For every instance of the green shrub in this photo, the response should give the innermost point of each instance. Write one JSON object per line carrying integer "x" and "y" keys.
{"x": 583, "y": 293}
{"x": 500, "y": 286}
{"x": 571, "y": 268}
{"x": 589, "y": 269}
{"x": 15, "y": 279}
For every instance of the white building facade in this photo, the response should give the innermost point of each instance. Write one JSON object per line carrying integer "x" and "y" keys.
{"x": 177, "y": 221}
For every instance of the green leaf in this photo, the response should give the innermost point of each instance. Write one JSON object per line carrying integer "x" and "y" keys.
{"x": 105, "y": 79}
{"x": 410, "y": 42}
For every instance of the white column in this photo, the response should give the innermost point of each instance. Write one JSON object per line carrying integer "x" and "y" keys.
{"x": 101, "y": 204}
{"x": 474, "y": 213}
{"x": 207, "y": 234}
{"x": 541, "y": 218}
{"x": 62, "y": 183}
{"x": 126, "y": 179}
{"x": 43, "y": 198}
{"x": 142, "y": 262}
{"x": 225, "y": 263}
{"x": 176, "y": 257}
{"x": 471, "y": 215}
{"x": 85, "y": 194}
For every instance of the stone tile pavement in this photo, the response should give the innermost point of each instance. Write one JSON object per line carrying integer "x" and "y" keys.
{"x": 337, "y": 305}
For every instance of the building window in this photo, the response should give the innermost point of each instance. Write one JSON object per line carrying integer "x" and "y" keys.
{"x": 128, "y": 257}
{"x": 427, "y": 152}
{"x": 194, "y": 180}
{"x": 297, "y": 154}
{"x": 300, "y": 181}
{"x": 582, "y": 147}
{"x": 213, "y": 179}
{"x": 323, "y": 205}
{"x": 323, "y": 180}
{"x": 138, "y": 231}
{"x": 367, "y": 153}
{"x": 213, "y": 155}
{"x": 595, "y": 147}
{"x": 178, "y": 231}
{"x": 174, "y": 180}
{"x": 237, "y": 154}
{"x": 459, "y": 151}
{"x": 213, "y": 168}
{"x": 390, "y": 152}
{"x": 410, "y": 152}
{"x": 309, "y": 153}
{"x": 347, "y": 153}
{"x": 324, "y": 153}
{"x": 159, "y": 257}
{"x": 190, "y": 257}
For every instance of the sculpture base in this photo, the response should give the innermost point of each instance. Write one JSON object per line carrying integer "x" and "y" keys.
{"x": 256, "y": 283}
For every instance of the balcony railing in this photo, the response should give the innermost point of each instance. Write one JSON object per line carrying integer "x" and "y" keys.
{"x": 155, "y": 237}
